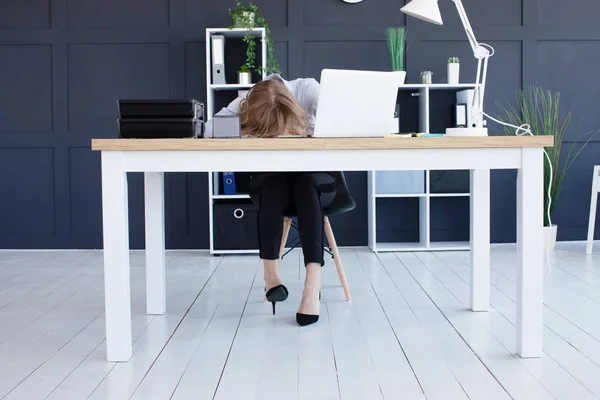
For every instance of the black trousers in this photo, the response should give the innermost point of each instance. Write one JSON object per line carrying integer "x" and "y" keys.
{"x": 292, "y": 193}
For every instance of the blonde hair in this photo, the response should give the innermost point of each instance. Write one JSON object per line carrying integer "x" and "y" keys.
{"x": 270, "y": 110}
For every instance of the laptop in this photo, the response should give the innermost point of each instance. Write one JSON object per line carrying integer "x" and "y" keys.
{"x": 355, "y": 103}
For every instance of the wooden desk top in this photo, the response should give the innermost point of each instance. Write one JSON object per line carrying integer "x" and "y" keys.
{"x": 321, "y": 143}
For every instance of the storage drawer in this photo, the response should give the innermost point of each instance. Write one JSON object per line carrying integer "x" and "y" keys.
{"x": 452, "y": 181}
{"x": 400, "y": 182}
{"x": 235, "y": 226}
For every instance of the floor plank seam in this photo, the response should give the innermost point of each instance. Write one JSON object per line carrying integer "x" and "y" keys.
{"x": 52, "y": 355}
{"x": 499, "y": 312}
{"x": 115, "y": 364}
{"x": 234, "y": 337}
{"x": 390, "y": 322}
{"x": 193, "y": 353}
{"x": 335, "y": 363}
{"x": 177, "y": 327}
{"x": 455, "y": 329}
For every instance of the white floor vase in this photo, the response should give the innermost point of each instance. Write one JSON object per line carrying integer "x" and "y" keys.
{"x": 550, "y": 237}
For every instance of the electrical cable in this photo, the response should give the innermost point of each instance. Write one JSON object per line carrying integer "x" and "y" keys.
{"x": 524, "y": 130}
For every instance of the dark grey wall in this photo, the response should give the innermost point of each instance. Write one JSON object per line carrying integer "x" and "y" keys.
{"x": 64, "y": 63}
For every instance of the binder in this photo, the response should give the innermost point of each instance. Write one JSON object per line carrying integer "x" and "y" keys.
{"x": 218, "y": 59}
{"x": 459, "y": 115}
{"x": 229, "y": 183}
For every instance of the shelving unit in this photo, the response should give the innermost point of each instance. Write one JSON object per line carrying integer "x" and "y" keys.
{"x": 417, "y": 185}
{"x": 236, "y": 33}
{"x": 211, "y": 91}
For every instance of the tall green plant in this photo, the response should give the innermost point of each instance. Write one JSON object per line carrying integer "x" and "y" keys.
{"x": 541, "y": 110}
{"x": 240, "y": 16}
{"x": 396, "y": 40}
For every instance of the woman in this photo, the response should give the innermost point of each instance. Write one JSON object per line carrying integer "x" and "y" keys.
{"x": 276, "y": 107}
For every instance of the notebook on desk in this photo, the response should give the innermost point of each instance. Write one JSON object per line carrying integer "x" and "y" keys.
{"x": 356, "y": 103}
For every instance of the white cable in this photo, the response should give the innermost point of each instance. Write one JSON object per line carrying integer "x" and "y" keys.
{"x": 523, "y": 130}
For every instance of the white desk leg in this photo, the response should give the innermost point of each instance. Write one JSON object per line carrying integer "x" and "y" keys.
{"x": 154, "y": 193}
{"x": 480, "y": 240}
{"x": 530, "y": 272}
{"x": 116, "y": 257}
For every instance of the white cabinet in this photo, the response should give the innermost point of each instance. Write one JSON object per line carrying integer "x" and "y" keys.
{"x": 426, "y": 189}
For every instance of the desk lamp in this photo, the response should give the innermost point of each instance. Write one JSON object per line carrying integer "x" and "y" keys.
{"x": 429, "y": 11}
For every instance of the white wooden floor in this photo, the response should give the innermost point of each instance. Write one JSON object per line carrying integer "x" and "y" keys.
{"x": 406, "y": 335}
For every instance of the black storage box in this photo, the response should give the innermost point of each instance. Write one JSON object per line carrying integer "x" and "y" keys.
{"x": 147, "y": 128}
{"x": 451, "y": 181}
{"x": 154, "y": 119}
{"x": 235, "y": 226}
{"x": 161, "y": 109}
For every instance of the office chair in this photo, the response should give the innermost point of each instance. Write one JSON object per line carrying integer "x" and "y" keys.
{"x": 342, "y": 202}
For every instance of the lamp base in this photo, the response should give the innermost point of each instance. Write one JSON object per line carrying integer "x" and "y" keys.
{"x": 466, "y": 132}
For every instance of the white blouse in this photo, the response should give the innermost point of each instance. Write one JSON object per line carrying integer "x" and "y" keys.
{"x": 304, "y": 90}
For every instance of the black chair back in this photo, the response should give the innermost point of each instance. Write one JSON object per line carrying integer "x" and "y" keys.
{"x": 343, "y": 201}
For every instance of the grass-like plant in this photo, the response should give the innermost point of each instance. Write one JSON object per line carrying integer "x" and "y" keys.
{"x": 396, "y": 40}
{"x": 541, "y": 110}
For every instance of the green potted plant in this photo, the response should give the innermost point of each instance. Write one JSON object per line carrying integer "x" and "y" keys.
{"x": 244, "y": 75}
{"x": 541, "y": 110}
{"x": 453, "y": 70}
{"x": 396, "y": 40}
{"x": 249, "y": 17}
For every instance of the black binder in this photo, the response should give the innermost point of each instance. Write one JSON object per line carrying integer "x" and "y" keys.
{"x": 161, "y": 109}
{"x": 160, "y": 128}
{"x": 155, "y": 119}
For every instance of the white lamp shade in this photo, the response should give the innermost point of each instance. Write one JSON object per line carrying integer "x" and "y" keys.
{"x": 427, "y": 10}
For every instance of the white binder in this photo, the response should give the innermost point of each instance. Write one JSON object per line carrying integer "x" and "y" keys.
{"x": 218, "y": 59}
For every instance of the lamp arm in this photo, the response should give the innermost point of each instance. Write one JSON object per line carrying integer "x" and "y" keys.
{"x": 467, "y": 26}
{"x": 482, "y": 55}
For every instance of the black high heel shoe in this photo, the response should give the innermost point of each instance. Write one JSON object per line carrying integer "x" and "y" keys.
{"x": 307, "y": 319}
{"x": 277, "y": 293}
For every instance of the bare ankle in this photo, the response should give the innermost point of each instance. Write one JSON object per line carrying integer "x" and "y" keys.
{"x": 271, "y": 273}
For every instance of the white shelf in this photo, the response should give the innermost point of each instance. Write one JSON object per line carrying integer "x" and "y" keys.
{"x": 231, "y": 87}
{"x": 386, "y": 247}
{"x": 218, "y": 252}
{"x": 449, "y": 246}
{"x": 450, "y": 194}
{"x": 410, "y": 195}
{"x": 237, "y": 33}
{"x": 434, "y": 246}
{"x": 438, "y": 86}
{"x": 399, "y": 195}
{"x": 230, "y": 196}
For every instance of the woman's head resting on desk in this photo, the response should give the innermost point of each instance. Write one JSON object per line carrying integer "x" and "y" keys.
{"x": 270, "y": 110}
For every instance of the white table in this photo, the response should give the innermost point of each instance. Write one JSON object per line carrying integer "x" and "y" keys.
{"x": 479, "y": 155}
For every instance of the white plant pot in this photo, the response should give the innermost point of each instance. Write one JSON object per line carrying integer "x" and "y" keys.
{"x": 550, "y": 238}
{"x": 453, "y": 73}
{"x": 244, "y": 78}
{"x": 401, "y": 76}
{"x": 246, "y": 17}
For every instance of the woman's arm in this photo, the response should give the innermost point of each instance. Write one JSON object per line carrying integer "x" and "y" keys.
{"x": 310, "y": 101}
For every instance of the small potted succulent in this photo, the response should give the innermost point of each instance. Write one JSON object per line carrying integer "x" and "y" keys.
{"x": 453, "y": 70}
{"x": 245, "y": 75}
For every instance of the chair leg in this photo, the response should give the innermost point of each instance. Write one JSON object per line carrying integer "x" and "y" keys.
{"x": 337, "y": 259}
{"x": 592, "y": 220}
{"x": 287, "y": 224}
